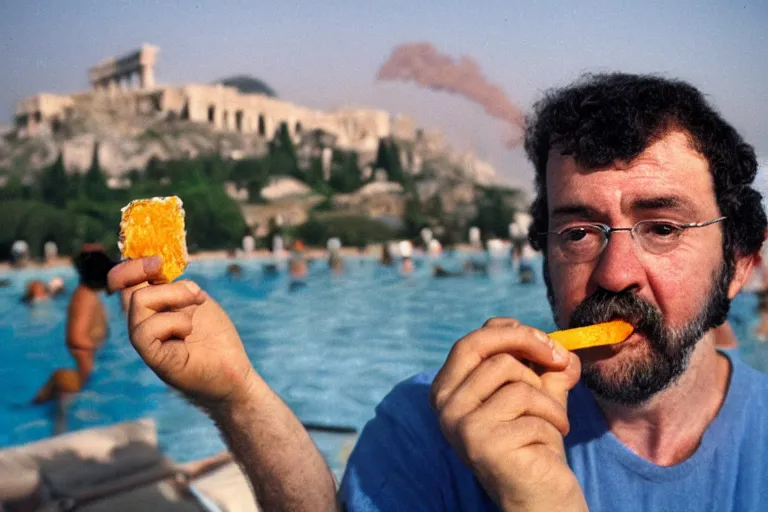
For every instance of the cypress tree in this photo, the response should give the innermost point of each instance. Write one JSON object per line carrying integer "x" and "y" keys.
{"x": 95, "y": 182}
{"x": 54, "y": 184}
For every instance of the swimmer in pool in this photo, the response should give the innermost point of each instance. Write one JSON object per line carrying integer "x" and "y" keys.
{"x": 297, "y": 266}
{"x": 234, "y": 271}
{"x": 87, "y": 326}
{"x": 36, "y": 292}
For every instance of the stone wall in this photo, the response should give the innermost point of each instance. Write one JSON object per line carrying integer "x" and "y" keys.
{"x": 223, "y": 108}
{"x": 40, "y": 112}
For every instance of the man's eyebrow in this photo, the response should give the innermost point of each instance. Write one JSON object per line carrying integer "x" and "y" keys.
{"x": 671, "y": 202}
{"x": 574, "y": 210}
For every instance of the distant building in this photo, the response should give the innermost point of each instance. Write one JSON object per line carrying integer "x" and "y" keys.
{"x": 128, "y": 84}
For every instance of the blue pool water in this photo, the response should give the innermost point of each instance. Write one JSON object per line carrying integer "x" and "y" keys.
{"x": 332, "y": 349}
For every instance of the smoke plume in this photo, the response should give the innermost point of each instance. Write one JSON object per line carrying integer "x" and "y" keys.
{"x": 423, "y": 64}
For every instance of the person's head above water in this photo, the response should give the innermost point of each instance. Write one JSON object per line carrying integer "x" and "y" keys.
{"x": 649, "y": 156}
{"x": 36, "y": 291}
{"x": 93, "y": 265}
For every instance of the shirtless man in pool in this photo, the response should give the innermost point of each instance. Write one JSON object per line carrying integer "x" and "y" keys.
{"x": 87, "y": 325}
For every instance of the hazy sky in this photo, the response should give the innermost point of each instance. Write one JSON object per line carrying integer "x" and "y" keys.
{"x": 326, "y": 54}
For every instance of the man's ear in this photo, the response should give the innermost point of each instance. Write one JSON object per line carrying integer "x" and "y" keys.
{"x": 741, "y": 274}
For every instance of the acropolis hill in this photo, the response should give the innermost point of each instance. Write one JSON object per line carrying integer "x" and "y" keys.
{"x": 133, "y": 118}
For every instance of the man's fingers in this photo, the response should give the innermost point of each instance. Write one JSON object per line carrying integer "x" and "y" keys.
{"x": 160, "y": 327}
{"x": 515, "y": 400}
{"x": 489, "y": 376}
{"x": 127, "y": 293}
{"x": 520, "y": 341}
{"x": 500, "y": 321}
{"x": 132, "y": 272}
{"x": 514, "y": 417}
{"x": 164, "y": 297}
{"x": 530, "y": 430}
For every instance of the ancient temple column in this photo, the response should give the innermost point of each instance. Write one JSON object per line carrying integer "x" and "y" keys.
{"x": 112, "y": 85}
{"x": 146, "y": 77}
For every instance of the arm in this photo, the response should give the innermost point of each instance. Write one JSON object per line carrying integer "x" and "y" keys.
{"x": 285, "y": 469}
{"x": 190, "y": 343}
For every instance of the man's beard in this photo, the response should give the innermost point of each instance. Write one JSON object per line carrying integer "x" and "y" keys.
{"x": 635, "y": 382}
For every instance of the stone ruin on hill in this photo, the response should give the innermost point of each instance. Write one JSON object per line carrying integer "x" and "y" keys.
{"x": 133, "y": 119}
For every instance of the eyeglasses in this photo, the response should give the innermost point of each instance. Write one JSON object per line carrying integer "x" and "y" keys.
{"x": 584, "y": 242}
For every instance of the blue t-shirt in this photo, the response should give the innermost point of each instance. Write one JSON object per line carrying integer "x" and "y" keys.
{"x": 402, "y": 462}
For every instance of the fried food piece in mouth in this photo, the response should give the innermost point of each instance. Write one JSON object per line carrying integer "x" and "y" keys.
{"x": 606, "y": 333}
{"x": 151, "y": 227}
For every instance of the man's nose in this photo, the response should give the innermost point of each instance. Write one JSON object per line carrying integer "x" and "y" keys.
{"x": 618, "y": 266}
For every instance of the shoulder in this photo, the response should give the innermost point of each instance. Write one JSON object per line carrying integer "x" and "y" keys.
{"x": 411, "y": 389}
{"x": 754, "y": 380}
{"x": 747, "y": 401}
{"x": 84, "y": 301}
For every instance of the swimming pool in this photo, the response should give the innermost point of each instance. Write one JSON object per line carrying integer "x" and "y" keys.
{"x": 331, "y": 349}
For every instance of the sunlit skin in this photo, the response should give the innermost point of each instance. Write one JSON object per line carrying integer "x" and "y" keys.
{"x": 86, "y": 331}
{"x": 36, "y": 292}
{"x": 669, "y": 180}
{"x": 86, "y": 328}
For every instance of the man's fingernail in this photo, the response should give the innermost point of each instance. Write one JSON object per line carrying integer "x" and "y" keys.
{"x": 153, "y": 264}
{"x": 543, "y": 338}
{"x": 559, "y": 354}
{"x": 193, "y": 287}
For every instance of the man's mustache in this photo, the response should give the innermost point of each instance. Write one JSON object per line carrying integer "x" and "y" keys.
{"x": 603, "y": 306}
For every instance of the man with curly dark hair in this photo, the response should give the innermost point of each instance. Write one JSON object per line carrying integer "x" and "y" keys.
{"x": 644, "y": 212}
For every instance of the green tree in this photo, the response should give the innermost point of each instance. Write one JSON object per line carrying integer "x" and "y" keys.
{"x": 388, "y": 158}
{"x": 345, "y": 173}
{"x": 494, "y": 213}
{"x": 413, "y": 217}
{"x": 253, "y": 174}
{"x": 76, "y": 186}
{"x": 353, "y": 230}
{"x": 155, "y": 170}
{"x": 54, "y": 185}
{"x": 13, "y": 189}
{"x": 216, "y": 169}
{"x": 213, "y": 219}
{"x": 185, "y": 172}
{"x": 136, "y": 176}
{"x": 282, "y": 154}
{"x": 37, "y": 223}
{"x": 95, "y": 182}
{"x": 314, "y": 174}
{"x": 96, "y": 221}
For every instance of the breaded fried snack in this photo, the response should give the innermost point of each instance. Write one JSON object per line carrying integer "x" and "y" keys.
{"x": 149, "y": 227}
{"x": 606, "y": 333}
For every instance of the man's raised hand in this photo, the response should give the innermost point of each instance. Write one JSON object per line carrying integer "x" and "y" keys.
{"x": 506, "y": 421}
{"x": 182, "y": 334}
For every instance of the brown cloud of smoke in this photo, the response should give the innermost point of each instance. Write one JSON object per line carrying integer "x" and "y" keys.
{"x": 423, "y": 64}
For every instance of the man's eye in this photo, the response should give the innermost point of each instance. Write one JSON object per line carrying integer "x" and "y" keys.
{"x": 574, "y": 234}
{"x": 663, "y": 229}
